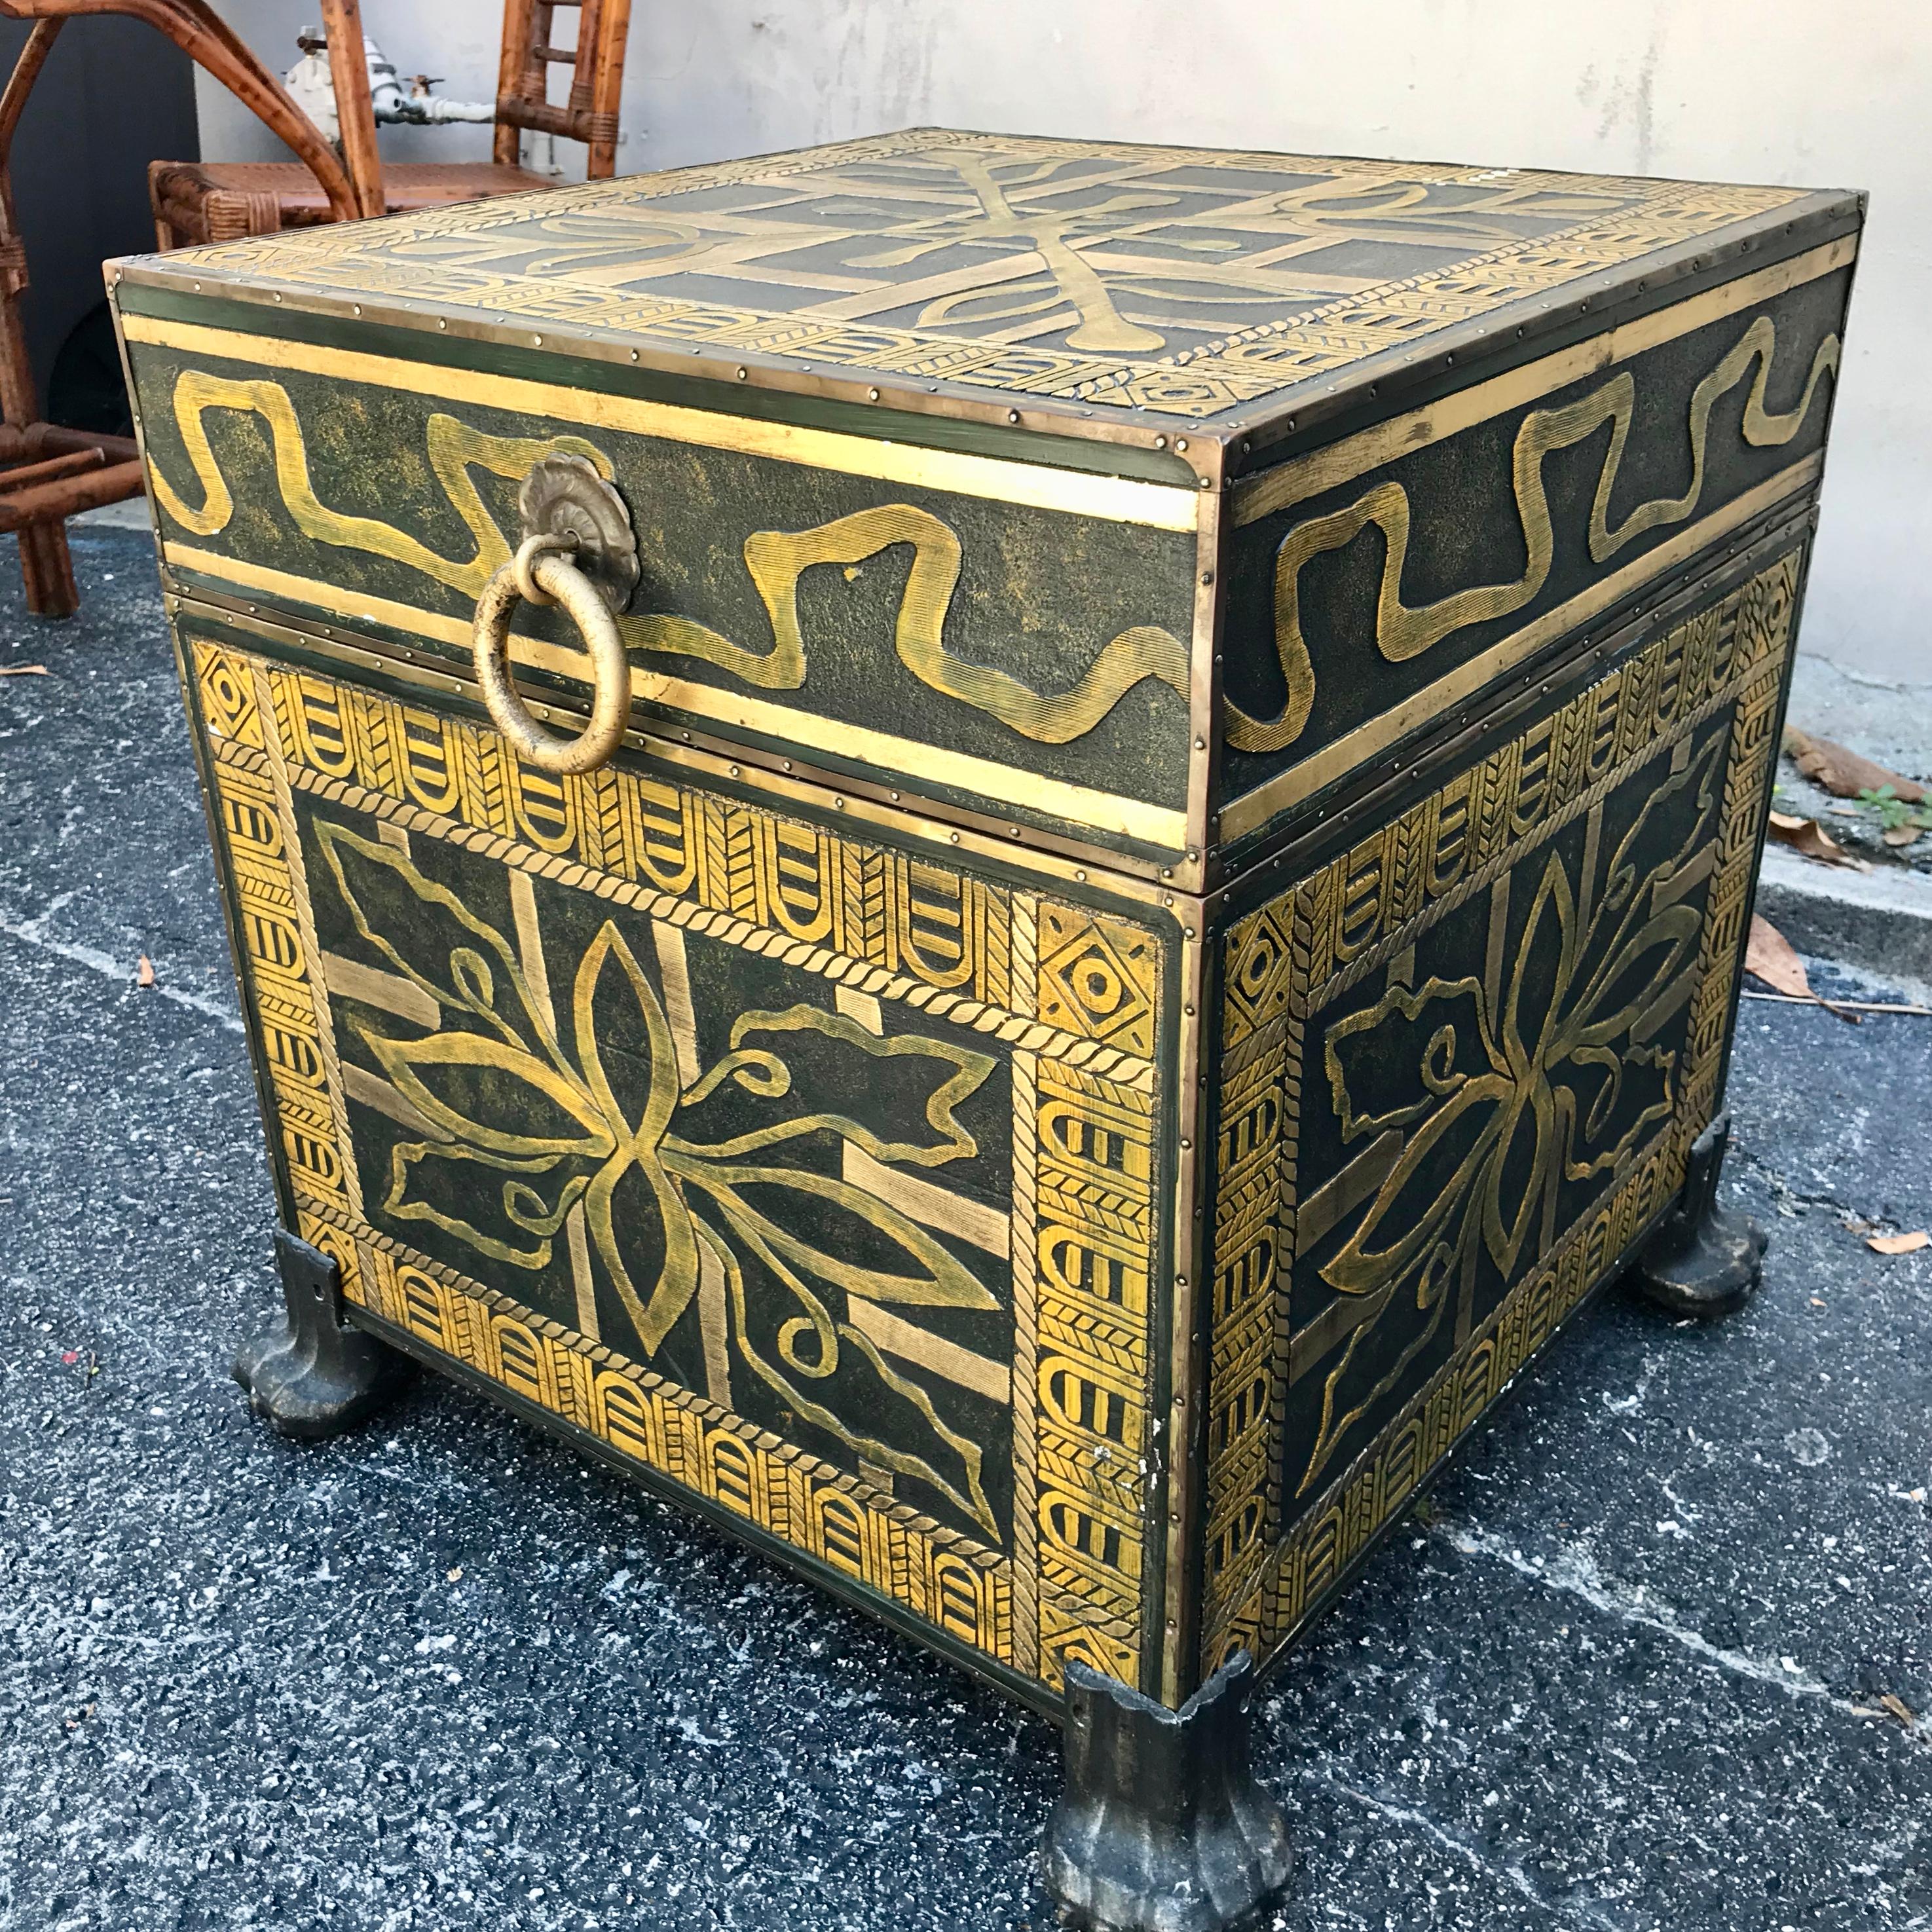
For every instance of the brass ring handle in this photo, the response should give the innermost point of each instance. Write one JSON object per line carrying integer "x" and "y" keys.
{"x": 541, "y": 572}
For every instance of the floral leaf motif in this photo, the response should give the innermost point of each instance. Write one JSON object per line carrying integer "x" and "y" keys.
{"x": 1499, "y": 1111}
{"x": 763, "y": 1072}
{"x": 1460, "y": 1049}
{"x": 940, "y": 1281}
{"x": 638, "y": 1145}
{"x": 471, "y": 951}
{"x": 826, "y": 1337}
{"x": 569, "y": 1126}
{"x": 523, "y": 1206}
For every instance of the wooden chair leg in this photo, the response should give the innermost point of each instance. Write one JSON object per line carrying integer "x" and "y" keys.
{"x": 46, "y": 570}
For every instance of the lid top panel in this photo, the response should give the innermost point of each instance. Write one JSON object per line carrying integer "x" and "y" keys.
{"x": 1190, "y": 282}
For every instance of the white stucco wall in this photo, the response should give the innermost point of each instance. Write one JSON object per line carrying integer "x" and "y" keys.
{"x": 1778, "y": 90}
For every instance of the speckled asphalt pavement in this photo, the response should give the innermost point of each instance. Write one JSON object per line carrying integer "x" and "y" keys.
{"x": 1626, "y": 1674}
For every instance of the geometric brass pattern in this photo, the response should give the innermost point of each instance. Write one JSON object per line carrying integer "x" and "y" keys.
{"x": 1094, "y": 979}
{"x": 925, "y": 972}
{"x": 1178, "y": 281}
{"x": 1510, "y": 1003}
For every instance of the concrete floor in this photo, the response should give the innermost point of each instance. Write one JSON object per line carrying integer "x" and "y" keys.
{"x": 1625, "y": 1675}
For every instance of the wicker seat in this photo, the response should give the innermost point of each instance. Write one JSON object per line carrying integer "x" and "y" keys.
{"x": 218, "y": 201}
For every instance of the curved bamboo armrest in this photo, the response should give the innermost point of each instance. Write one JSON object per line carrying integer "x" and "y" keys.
{"x": 193, "y": 26}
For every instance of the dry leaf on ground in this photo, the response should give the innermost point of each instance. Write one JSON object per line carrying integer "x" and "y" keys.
{"x": 23, "y": 671}
{"x": 1844, "y": 773}
{"x": 1899, "y": 1709}
{"x": 1769, "y": 954}
{"x": 144, "y": 974}
{"x": 1902, "y": 835}
{"x": 1899, "y": 1244}
{"x": 1808, "y": 837}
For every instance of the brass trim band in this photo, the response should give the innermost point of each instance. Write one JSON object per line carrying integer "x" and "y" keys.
{"x": 1077, "y": 493}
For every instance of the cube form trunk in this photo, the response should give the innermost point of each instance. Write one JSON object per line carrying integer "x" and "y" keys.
{"x": 1168, "y": 900}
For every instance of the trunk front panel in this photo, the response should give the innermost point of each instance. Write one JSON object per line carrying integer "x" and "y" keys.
{"x": 823, "y": 1178}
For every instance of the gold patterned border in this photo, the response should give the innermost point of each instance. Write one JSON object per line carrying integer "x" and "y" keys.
{"x": 1239, "y": 367}
{"x": 1077, "y": 1013}
{"x": 1285, "y": 961}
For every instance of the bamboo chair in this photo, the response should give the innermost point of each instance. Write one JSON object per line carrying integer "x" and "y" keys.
{"x": 47, "y": 473}
{"x": 217, "y": 201}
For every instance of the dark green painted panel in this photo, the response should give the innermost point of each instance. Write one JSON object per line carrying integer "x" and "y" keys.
{"x": 752, "y": 1164}
{"x": 1466, "y": 528}
{"x": 1039, "y": 596}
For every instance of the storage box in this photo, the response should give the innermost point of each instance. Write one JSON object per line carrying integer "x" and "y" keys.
{"x": 1170, "y": 900}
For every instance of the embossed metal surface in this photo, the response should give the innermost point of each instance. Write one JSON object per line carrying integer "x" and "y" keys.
{"x": 1096, "y": 1019}
{"x": 1462, "y": 1066}
{"x": 818, "y": 1177}
{"x": 1184, "y": 281}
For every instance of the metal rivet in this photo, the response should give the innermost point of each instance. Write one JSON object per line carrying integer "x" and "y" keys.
{"x": 1181, "y": 444}
{"x": 1015, "y": 830}
{"x": 1206, "y": 484}
{"x": 955, "y": 838}
{"x": 1167, "y": 871}
{"x": 357, "y": 308}
{"x": 743, "y": 373}
{"x": 685, "y": 736}
{"x": 278, "y": 295}
{"x": 634, "y": 355}
{"x": 1207, "y": 577}
{"x": 537, "y": 340}
{"x": 440, "y": 323}
{"x": 893, "y": 795}
{"x": 1167, "y": 899}
{"x": 1160, "y": 442}
{"x": 1082, "y": 877}
{"x": 840, "y": 803}
{"x": 1012, "y": 415}
{"x": 734, "y": 771}
{"x": 784, "y": 764}
{"x": 872, "y": 395}
{"x": 1200, "y": 744}
{"x": 1188, "y": 1011}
